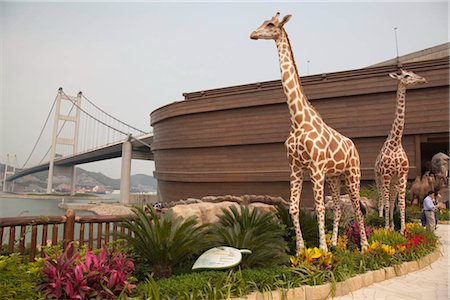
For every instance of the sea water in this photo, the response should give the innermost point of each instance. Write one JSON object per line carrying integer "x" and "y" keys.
{"x": 18, "y": 207}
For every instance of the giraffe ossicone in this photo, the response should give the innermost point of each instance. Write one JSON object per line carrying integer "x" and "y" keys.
{"x": 392, "y": 165}
{"x": 312, "y": 145}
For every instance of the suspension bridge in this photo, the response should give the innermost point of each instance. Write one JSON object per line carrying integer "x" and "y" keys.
{"x": 81, "y": 133}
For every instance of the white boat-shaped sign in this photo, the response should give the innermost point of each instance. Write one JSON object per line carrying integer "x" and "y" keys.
{"x": 222, "y": 257}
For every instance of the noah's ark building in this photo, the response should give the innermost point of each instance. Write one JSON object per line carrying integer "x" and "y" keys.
{"x": 230, "y": 141}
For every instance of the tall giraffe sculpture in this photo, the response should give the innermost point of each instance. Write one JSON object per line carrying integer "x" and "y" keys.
{"x": 312, "y": 145}
{"x": 392, "y": 165}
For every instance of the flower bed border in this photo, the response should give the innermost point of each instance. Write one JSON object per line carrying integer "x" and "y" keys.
{"x": 325, "y": 291}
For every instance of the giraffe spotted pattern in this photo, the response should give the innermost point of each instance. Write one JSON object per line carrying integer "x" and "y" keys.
{"x": 392, "y": 165}
{"x": 312, "y": 146}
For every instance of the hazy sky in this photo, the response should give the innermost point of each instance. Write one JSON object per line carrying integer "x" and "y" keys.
{"x": 131, "y": 58}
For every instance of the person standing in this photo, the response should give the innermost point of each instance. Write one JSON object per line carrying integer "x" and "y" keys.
{"x": 429, "y": 208}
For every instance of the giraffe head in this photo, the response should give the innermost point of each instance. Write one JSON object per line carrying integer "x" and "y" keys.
{"x": 408, "y": 77}
{"x": 270, "y": 29}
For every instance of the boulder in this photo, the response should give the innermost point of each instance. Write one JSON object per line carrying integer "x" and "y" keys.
{"x": 262, "y": 207}
{"x": 209, "y": 212}
{"x": 347, "y": 205}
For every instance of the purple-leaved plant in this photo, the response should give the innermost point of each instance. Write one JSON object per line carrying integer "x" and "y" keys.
{"x": 102, "y": 276}
{"x": 352, "y": 232}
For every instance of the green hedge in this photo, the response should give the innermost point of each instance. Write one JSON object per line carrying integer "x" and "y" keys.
{"x": 17, "y": 279}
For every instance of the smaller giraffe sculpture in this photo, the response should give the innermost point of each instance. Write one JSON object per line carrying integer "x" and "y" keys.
{"x": 392, "y": 165}
{"x": 313, "y": 146}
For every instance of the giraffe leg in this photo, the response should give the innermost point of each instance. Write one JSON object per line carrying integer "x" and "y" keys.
{"x": 380, "y": 198}
{"x": 385, "y": 200}
{"x": 335, "y": 185}
{"x": 392, "y": 197}
{"x": 401, "y": 200}
{"x": 296, "y": 190}
{"x": 352, "y": 182}
{"x": 318, "y": 181}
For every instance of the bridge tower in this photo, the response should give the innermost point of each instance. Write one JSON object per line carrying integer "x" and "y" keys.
{"x": 70, "y": 140}
{"x": 8, "y": 172}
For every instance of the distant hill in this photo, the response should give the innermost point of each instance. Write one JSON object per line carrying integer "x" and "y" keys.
{"x": 139, "y": 182}
{"x": 143, "y": 179}
{"x": 99, "y": 178}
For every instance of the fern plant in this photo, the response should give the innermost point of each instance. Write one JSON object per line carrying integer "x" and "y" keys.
{"x": 162, "y": 242}
{"x": 253, "y": 230}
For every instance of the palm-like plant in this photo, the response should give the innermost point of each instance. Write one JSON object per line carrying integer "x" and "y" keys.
{"x": 258, "y": 232}
{"x": 162, "y": 242}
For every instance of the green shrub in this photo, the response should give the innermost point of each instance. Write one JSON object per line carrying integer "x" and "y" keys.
{"x": 253, "y": 230}
{"x": 374, "y": 220}
{"x": 414, "y": 211}
{"x": 268, "y": 279}
{"x": 287, "y": 227}
{"x": 345, "y": 264}
{"x": 408, "y": 218}
{"x": 210, "y": 285}
{"x": 161, "y": 243}
{"x": 18, "y": 279}
{"x": 370, "y": 192}
{"x": 348, "y": 264}
{"x": 443, "y": 214}
{"x": 387, "y": 237}
{"x": 190, "y": 283}
{"x": 308, "y": 225}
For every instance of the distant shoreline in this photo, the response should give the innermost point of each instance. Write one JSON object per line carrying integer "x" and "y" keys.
{"x": 53, "y": 197}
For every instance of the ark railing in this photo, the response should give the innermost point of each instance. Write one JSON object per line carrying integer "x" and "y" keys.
{"x": 28, "y": 235}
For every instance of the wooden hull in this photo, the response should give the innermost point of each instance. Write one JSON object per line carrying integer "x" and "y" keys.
{"x": 231, "y": 140}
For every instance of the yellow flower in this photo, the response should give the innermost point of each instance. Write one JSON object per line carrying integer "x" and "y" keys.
{"x": 373, "y": 246}
{"x": 294, "y": 261}
{"x": 342, "y": 242}
{"x": 309, "y": 254}
{"x": 388, "y": 249}
{"x": 401, "y": 248}
{"x": 328, "y": 238}
{"x": 316, "y": 253}
{"x": 328, "y": 259}
{"x": 409, "y": 226}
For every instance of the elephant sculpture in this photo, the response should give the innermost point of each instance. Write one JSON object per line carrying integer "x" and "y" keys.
{"x": 439, "y": 166}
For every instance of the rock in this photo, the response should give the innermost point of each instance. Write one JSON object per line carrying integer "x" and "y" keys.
{"x": 262, "y": 207}
{"x": 208, "y": 208}
{"x": 347, "y": 205}
{"x": 111, "y": 209}
{"x": 209, "y": 212}
{"x": 205, "y": 212}
{"x": 246, "y": 199}
{"x": 192, "y": 200}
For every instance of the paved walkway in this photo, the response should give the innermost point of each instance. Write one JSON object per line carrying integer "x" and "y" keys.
{"x": 427, "y": 284}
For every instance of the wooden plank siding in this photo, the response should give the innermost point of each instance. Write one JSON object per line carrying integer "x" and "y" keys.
{"x": 231, "y": 140}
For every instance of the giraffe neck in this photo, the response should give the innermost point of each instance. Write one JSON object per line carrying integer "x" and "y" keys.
{"x": 396, "y": 133}
{"x": 297, "y": 102}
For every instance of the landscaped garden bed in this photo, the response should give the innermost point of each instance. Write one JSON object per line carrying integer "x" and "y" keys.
{"x": 155, "y": 263}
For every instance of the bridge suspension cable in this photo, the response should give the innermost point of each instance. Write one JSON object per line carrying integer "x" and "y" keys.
{"x": 40, "y": 134}
{"x": 101, "y": 122}
{"x": 121, "y": 122}
{"x": 57, "y": 135}
{"x": 97, "y": 128}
